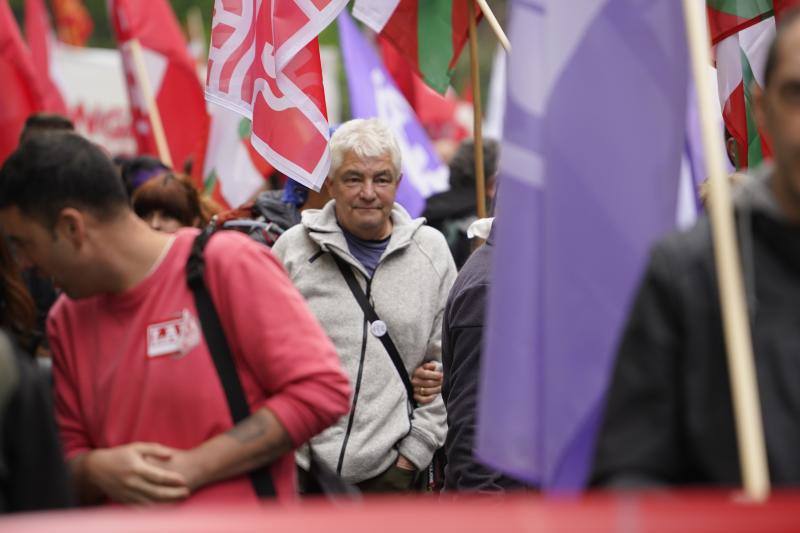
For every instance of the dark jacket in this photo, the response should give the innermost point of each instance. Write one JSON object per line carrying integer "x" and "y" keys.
{"x": 462, "y": 338}
{"x": 669, "y": 418}
{"x": 452, "y": 212}
{"x": 33, "y": 475}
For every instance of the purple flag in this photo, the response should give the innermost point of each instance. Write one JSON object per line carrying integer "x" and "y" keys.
{"x": 590, "y": 161}
{"x": 374, "y": 94}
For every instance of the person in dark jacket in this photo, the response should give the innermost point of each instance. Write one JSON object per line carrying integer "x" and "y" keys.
{"x": 669, "y": 418}
{"x": 33, "y": 475}
{"x": 452, "y": 211}
{"x": 462, "y": 340}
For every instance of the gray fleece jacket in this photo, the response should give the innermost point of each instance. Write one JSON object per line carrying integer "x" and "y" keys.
{"x": 408, "y": 290}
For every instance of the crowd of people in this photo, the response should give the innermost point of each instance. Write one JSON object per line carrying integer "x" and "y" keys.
{"x": 201, "y": 355}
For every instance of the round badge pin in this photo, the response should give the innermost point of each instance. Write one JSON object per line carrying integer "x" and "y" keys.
{"x": 378, "y": 328}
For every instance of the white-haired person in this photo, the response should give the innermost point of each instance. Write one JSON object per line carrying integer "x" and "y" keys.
{"x": 377, "y": 280}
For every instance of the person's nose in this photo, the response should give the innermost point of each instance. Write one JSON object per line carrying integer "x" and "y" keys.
{"x": 368, "y": 191}
{"x": 155, "y": 222}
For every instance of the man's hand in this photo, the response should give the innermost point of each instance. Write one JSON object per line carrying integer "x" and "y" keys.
{"x": 427, "y": 382}
{"x": 405, "y": 464}
{"x": 126, "y": 474}
{"x": 184, "y": 462}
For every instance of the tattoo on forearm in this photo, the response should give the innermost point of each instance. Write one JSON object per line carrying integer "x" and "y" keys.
{"x": 249, "y": 429}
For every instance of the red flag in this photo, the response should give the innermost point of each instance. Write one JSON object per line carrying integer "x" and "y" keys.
{"x": 438, "y": 114}
{"x": 73, "y": 22}
{"x": 264, "y": 64}
{"x": 40, "y": 38}
{"x": 171, "y": 71}
{"x": 430, "y": 34}
{"x": 22, "y": 92}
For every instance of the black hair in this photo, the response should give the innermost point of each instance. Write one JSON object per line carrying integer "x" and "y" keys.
{"x": 462, "y": 166}
{"x": 787, "y": 20}
{"x": 40, "y": 122}
{"x": 58, "y": 169}
{"x": 137, "y": 170}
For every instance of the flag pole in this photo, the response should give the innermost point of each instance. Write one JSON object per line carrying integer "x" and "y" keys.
{"x": 480, "y": 179}
{"x": 150, "y": 102}
{"x": 197, "y": 34}
{"x": 496, "y": 28}
{"x": 736, "y": 325}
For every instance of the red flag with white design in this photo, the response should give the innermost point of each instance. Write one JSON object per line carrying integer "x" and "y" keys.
{"x": 41, "y": 38}
{"x": 22, "y": 91}
{"x": 171, "y": 71}
{"x": 264, "y": 64}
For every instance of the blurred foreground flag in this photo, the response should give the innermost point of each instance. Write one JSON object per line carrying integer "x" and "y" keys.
{"x": 264, "y": 64}
{"x": 374, "y": 94}
{"x": 22, "y": 90}
{"x": 592, "y": 143}
{"x": 171, "y": 71}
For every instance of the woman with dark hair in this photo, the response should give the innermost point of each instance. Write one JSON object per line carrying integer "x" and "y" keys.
{"x": 170, "y": 202}
{"x": 17, "y": 309}
{"x": 33, "y": 475}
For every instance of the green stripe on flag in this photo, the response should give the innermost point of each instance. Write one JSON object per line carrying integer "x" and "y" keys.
{"x": 746, "y": 9}
{"x": 754, "y": 153}
{"x": 435, "y": 36}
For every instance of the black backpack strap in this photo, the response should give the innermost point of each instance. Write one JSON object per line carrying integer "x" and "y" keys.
{"x": 372, "y": 317}
{"x": 221, "y": 352}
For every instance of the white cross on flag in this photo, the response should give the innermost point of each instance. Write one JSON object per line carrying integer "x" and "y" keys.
{"x": 264, "y": 64}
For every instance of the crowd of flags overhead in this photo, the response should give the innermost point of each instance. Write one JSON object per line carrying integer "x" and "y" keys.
{"x": 263, "y": 66}
{"x": 741, "y": 32}
{"x": 571, "y": 241}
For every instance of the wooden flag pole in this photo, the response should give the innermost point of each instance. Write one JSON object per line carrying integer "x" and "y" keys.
{"x": 480, "y": 179}
{"x": 744, "y": 389}
{"x": 197, "y": 34}
{"x": 150, "y": 102}
{"x": 496, "y": 28}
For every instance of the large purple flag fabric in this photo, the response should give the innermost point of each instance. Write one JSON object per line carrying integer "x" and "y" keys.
{"x": 593, "y": 137}
{"x": 374, "y": 94}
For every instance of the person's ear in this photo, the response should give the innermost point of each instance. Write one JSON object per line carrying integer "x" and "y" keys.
{"x": 329, "y": 185}
{"x": 71, "y": 225}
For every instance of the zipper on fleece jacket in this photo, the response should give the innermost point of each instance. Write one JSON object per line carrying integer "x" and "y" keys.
{"x": 357, "y": 389}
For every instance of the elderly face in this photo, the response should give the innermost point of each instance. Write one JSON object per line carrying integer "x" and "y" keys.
{"x": 778, "y": 113}
{"x": 364, "y": 189}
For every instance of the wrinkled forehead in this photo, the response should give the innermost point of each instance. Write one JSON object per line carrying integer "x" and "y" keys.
{"x": 368, "y": 165}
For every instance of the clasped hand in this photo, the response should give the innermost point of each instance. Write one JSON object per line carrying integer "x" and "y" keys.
{"x": 142, "y": 473}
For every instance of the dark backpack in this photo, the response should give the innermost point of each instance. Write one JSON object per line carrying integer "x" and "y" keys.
{"x": 263, "y": 220}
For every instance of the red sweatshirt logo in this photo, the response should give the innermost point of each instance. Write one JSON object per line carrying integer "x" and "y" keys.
{"x": 173, "y": 337}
